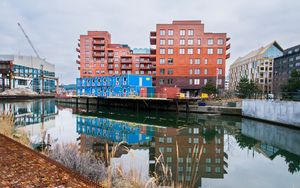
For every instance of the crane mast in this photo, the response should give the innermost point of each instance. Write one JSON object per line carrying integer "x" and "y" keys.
{"x": 29, "y": 41}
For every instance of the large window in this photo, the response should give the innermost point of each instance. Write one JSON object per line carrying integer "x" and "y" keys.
{"x": 210, "y": 41}
{"x": 196, "y": 82}
{"x": 181, "y": 51}
{"x": 181, "y": 42}
{"x": 209, "y": 51}
{"x": 205, "y": 71}
{"x": 190, "y": 51}
{"x": 197, "y": 61}
{"x": 197, "y": 71}
{"x": 170, "y": 61}
{"x": 162, "y": 61}
{"x": 170, "y": 50}
{"x": 162, "y": 42}
{"x": 162, "y": 51}
{"x": 220, "y": 41}
{"x": 170, "y": 32}
{"x": 182, "y": 32}
{"x": 220, "y": 51}
{"x": 219, "y": 61}
{"x": 170, "y": 71}
{"x": 199, "y": 41}
{"x": 190, "y": 41}
{"x": 170, "y": 42}
{"x": 190, "y": 32}
{"x": 161, "y": 71}
{"x": 162, "y": 32}
{"x": 198, "y": 51}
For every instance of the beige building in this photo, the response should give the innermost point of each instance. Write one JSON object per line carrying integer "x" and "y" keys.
{"x": 257, "y": 66}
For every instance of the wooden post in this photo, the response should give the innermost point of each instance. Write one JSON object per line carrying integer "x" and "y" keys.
{"x": 87, "y": 104}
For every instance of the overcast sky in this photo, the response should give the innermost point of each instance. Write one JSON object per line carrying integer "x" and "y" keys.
{"x": 55, "y": 25}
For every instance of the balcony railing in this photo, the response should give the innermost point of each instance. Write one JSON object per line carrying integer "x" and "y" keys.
{"x": 126, "y": 60}
{"x": 98, "y": 54}
{"x": 98, "y": 42}
{"x": 152, "y": 51}
{"x": 228, "y": 46}
{"x": 152, "y": 34}
{"x": 228, "y": 56}
{"x": 153, "y": 41}
{"x": 101, "y": 48}
{"x": 77, "y": 61}
{"x": 77, "y": 49}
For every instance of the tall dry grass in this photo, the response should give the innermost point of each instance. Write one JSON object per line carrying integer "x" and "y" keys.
{"x": 7, "y": 128}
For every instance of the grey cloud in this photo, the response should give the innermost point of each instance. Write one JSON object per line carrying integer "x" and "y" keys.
{"x": 54, "y": 26}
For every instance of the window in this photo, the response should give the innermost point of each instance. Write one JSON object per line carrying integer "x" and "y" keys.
{"x": 170, "y": 32}
{"x": 162, "y": 51}
{"x": 220, "y": 41}
{"x": 197, "y": 71}
{"x": 298, "y": 57}
{"x": 190, "y": 51}
{"x": 116, "y": 59}
{"x": 199, "y": 41}
{"x": 162, "y": 71}
{"x": 162, "y": 32}
{"x": 137, "y": 65}
{"x": 162, "y": 61}
{"x": 190, "y": 32}
{"x": 161, "y": 149}
{"x": 116, "y": 53}
{"x": 210, "y": 41}
{"x": 170, "y": 42}
{"x": 181, "y": 42}
{"x": 182, "y": 32}
{"x": 219, "y": 81}
{"x": 180, "y": 159}
{"x": 191, "y": 61}
{"x": 205, "y": 81}
{"x": 208, "y": 160}
{"x": 219, "y": 61}
{"x": 218, "y": 170}
{"x": 161, "y": 139}
{"x": 169, "y": 149}
{"x": 191, "y": 71}
{"x": 123, "y": 53}
{"x": 87, "y": 59}
{"x": 170, "y": 81}
{"x": 205, "y": 61}
{"x": 196, "y": 82}
{"x": 208, "y": 169}
{"x": 191, "y": 81}
{"x": 170, "y": 61}
{"x": 220, "y": 51}
{"x": 170, "y": 50}
{"x": 198, "y": 51}
{"x": 117, "y": 65}
{"x": 136, "y": 72}
{"x": 205, "y": 71}
{"x": 209, "y": 51}
{"x": 190, "y": 41}
{"x": 218, "y": 160}
{"x": 170, "y": 71}
{"x": 162, "y": 42}
{"x": 197, "y": 61}
{"x": 161, "y": 81}
{"x": 169, "y": 140}
{"x": 220, "y": 71}
{"x": 181, "y": 51}
{"x": 196, "y": 130}
{"x": 169, "y": 159}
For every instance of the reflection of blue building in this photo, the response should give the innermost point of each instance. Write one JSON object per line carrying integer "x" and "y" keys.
{"x": 31, "y": 112}
{"x": 112, "y": 130}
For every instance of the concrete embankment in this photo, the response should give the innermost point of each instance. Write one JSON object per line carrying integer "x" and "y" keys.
{"x": 282, "y": 112}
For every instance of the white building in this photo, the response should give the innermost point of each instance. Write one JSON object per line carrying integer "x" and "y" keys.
{"x": 257, "y": 66}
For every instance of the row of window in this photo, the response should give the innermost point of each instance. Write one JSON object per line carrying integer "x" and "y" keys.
{"x": 116, "y": 65}
{"x": 189, "y": 42}
{"x": 195, "y": 71}
{"x": 196, "y": 61}
{"x": 189, "y": 51}
{"x": 117, "y": 72}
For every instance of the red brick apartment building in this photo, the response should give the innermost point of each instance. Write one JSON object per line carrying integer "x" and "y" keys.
{"x": 187, "y": 57}
{"x": 99, "y": 57}
{"x": 181, "y": 55}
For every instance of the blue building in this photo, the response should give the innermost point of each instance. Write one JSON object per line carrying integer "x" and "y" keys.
{"x": 30, "y": 72}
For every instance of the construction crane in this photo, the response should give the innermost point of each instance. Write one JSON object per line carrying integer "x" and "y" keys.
{"x": 29, "y": 41}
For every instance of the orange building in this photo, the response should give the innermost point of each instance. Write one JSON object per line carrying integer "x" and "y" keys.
{"x": 188, "y": 57}
{"x": 99, "y": 57}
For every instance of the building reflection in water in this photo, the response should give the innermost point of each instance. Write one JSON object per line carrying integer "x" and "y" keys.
{"x": 96, "y": 132}
{"x": 34, "y": 117}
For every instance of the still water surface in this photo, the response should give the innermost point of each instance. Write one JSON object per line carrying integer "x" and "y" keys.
{"x": 236, "y": 152}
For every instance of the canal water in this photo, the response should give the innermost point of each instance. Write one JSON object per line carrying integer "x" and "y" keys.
{"x": 235, "y": 152}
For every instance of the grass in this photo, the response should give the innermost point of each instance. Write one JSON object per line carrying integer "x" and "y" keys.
{"x": 7, "y": 128}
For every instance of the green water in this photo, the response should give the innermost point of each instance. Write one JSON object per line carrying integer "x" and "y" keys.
{"x": 236, "y": 152}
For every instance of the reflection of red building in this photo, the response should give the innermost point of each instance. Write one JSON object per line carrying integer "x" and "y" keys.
{"x": 184, "y": 167}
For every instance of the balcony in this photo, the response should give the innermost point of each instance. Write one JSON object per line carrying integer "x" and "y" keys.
{"x": 99, "y": 42}
{"x": 126, "y": 68}
{"x": 227, "y": 39}
{"x": 152, "y": 34}
{"x": 78, "y": 50}
{"x": 96, "y": 54}
{"x": 78, "y": 56}
{"x": 110, "y": 60}
{"x": 110, "y": 67}
{"x": 78, "y": 44}
{"x": 110, "y": 54}
{"x": 101, "y": 48}
{"x": 153, "y": 41}
{"x": 78, "y": 62}
{"x": 228, "y": 56}
{"x": 78, "y": 68}
{"x": 126, "y": 60}
{"x": 153, "y": 51}
{"x": 228, "y": 46}
{"x": 152, "y": 58}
